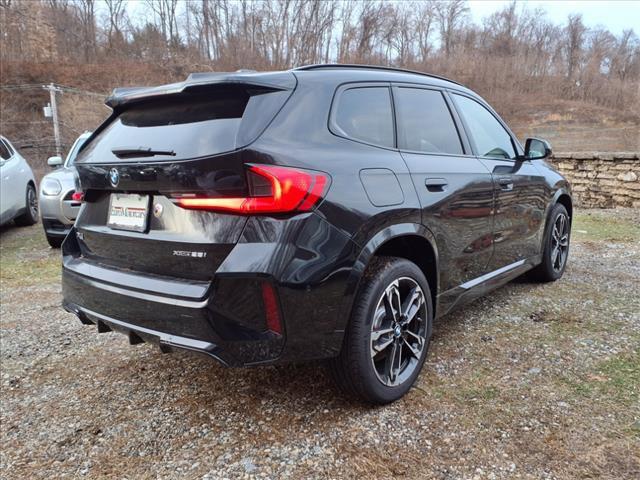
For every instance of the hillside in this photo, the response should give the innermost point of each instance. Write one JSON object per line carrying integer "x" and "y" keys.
{"x": 569, "y": 125}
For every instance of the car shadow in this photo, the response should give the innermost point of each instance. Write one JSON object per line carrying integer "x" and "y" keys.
{"x": 306, "y": 388}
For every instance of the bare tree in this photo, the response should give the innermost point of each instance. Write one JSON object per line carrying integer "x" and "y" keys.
{"x": 450, "y": 17}
{"x": 574, "y": 43}
{"x": 116, "y": 11}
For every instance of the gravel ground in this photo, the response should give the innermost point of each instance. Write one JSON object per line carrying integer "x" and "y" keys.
{"x": 533, "y": 381}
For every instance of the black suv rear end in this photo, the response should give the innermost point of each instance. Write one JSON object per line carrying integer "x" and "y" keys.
{"x": 270, "y": 217}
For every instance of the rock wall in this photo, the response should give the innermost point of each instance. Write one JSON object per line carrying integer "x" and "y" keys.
{"x": 602, "y": 180}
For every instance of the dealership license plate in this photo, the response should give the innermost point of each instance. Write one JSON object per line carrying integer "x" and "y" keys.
{"x": 128, "y": 212}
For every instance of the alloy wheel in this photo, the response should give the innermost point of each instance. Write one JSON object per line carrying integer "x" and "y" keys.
{"x": 398, "y": 331}
{"x": 559, "y": 242}
{"x": 32, "y": 202}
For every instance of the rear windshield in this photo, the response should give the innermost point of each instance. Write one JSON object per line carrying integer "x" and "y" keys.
{"x": 189, "y": 125}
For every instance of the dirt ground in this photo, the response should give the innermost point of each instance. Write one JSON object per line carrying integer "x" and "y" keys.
{"x": 533, "y": 381}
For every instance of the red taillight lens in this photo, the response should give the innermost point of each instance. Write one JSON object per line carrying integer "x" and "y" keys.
{"x": 272, "y": 189}
{"x": 77, "y": 196}
{"x": 271, "y": 309}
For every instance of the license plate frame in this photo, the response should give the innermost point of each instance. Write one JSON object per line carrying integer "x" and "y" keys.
{"x": 128, "y": 211}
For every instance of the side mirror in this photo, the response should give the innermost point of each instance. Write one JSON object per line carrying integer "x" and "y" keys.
{"x": 54, "y": 161}
{"x": 536, "y": 149}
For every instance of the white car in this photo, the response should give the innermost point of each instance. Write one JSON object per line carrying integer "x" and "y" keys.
{"x": 18, "y": 197}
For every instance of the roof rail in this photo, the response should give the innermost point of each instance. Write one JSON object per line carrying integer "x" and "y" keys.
{"x": 373, "y": 67}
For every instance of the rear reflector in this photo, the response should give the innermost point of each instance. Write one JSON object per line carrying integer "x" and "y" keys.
{"x": 272, "y": 189}
{"x": 271, "y": 309}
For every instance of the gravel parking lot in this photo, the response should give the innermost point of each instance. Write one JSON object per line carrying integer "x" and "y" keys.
{"x": 534, "y": 381}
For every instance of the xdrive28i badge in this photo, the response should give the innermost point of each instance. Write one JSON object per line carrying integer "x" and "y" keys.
{"x": 114, "y": 177}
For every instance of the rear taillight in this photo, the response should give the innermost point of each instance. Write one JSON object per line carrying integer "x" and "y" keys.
{"x": 272, "y": 189}
{"x": 77, "y": 196}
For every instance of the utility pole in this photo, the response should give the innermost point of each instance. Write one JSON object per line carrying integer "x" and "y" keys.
{"x": 54, "y": 115}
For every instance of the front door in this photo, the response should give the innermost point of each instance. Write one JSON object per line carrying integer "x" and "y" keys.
{"x": 519, "y": 186}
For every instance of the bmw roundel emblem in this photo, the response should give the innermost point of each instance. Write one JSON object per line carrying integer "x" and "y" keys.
{"x": 114, "y": 177}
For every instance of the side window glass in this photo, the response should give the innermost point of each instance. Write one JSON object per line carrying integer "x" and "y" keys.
{"x": 490, "y": 137}
{"x": 364, "y": 114}
{"x": 4, "y": 151}
{"x": 424, "y": 122}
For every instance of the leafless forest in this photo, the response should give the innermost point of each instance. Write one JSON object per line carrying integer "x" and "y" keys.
{"x": 554, "y": 76}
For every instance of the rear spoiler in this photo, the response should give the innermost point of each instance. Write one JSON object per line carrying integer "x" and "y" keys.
{"x": 271, "y": 80}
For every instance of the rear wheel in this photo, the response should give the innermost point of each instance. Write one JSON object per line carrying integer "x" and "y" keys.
{"x": 30, "y": 215}
{"x": 556, "y": 246}
{"x": 388, "y": 336}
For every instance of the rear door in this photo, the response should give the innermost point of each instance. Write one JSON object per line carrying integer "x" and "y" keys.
{"x": 519, "y": 186}
{"x": 13, "y": 197}
{"x": 155, "y": 150}
{"x": 455, "y": 189}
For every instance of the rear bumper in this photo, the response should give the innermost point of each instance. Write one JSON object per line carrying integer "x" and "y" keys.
{"x": 137, "y": 334}
{"x": 166, "y": 312}
{"x": 226, "y": 317}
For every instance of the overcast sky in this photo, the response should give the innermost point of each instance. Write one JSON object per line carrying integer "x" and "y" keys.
{"x": 616, "y": 15}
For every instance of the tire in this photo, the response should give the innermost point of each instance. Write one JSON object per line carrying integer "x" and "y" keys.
{"x": 54, "y": 241}
{"x": 357, "y": 370}
{"x": 30, "y": 215}
{"x": 558, "y": 234}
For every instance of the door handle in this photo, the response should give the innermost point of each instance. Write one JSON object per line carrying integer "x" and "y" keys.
{"x": 436, "y": 184}
{"x": 506, "y": 183}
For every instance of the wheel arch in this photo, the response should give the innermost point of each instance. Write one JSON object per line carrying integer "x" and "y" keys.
{"x": 413, "y": 242}
{"x": 563, "y": 197}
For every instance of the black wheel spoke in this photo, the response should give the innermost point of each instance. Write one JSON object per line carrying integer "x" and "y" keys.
{"x": 412, "y": 304}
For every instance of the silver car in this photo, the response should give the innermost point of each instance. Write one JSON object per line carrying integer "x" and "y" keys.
{"x": 58, "y": 207}
{"x": 18, "y": 199}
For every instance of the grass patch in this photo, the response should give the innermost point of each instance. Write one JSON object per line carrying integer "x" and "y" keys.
{"x": 616, "y": 380}
{"x": 597, "y": 226}
{"x": 26, "y": 259}
{"x": 623, "y": 378}
{"x": 478, "y": 393}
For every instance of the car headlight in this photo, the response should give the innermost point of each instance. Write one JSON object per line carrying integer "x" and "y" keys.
{"x": 51, "y": 186}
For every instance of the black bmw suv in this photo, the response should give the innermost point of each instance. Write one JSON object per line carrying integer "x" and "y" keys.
{"x": 325, "y": 212}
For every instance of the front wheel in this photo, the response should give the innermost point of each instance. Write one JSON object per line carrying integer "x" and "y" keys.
{"x": 388, "y": 335}
{"x": 54, "y": 241}
{"x": 30, "y": 215}
{"x": 556, "y": 246}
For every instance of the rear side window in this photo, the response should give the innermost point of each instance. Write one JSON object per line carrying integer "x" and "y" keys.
{"x": 490, "y": 137}
{"x": 190, "y": 124}
{"x": 364, "y": 114}
{"x": 425, "y": 123}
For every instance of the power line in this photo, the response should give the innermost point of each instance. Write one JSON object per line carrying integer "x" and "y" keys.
{"x": 62, "y": 88}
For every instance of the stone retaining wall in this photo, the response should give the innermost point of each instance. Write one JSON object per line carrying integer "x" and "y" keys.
{"x": 602, "y": 180}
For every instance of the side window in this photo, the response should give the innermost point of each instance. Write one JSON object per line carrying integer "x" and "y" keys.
{"x": 424, "y": 122}
{"x": 490, "y": 137}
{"x": 4, "y": 151}
{"x": 364, "y": 113}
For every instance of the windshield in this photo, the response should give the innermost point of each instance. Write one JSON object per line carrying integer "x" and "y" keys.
{"x": 71, "y": 156}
